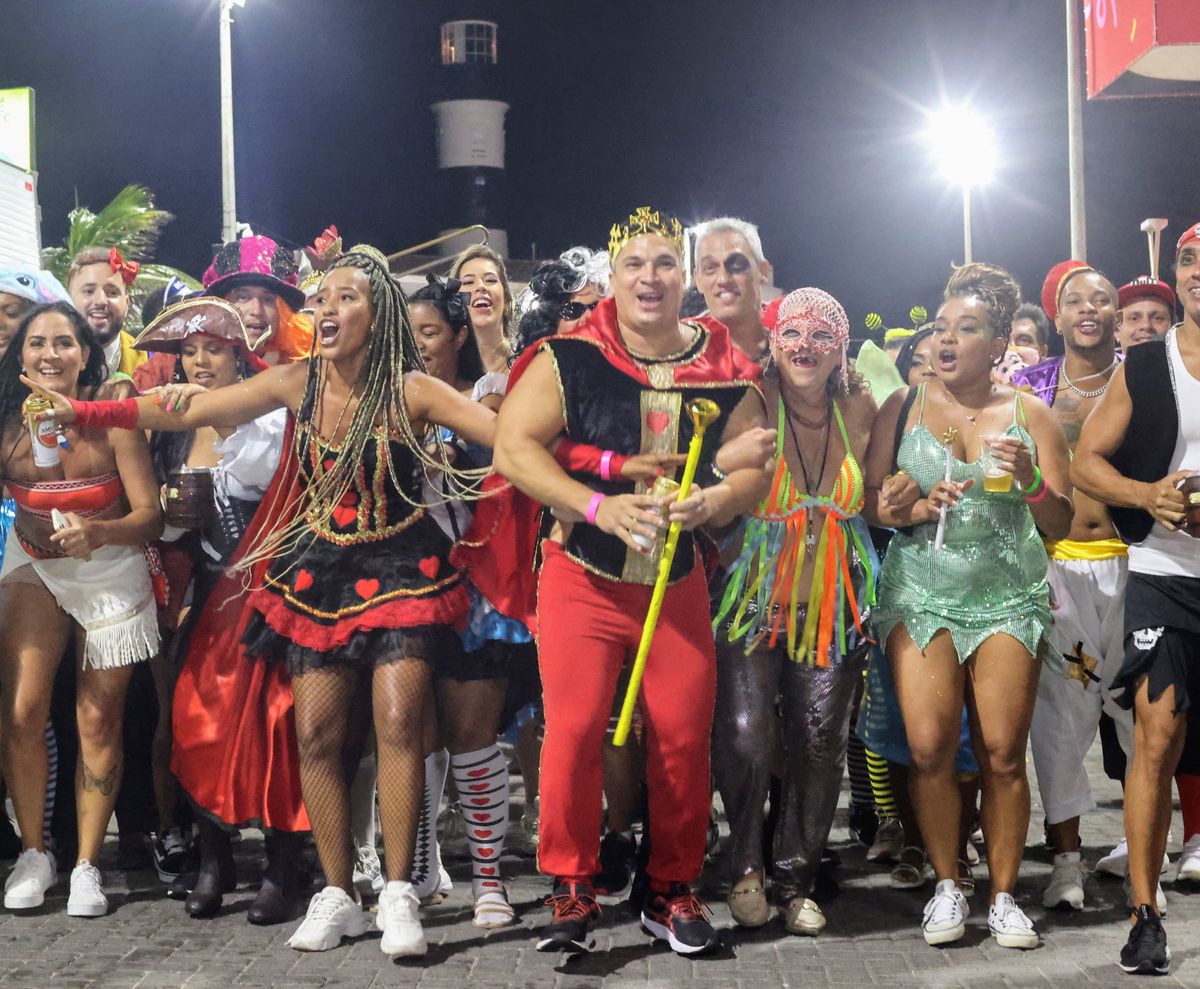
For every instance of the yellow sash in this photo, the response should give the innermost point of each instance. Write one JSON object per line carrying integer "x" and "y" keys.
{"x": 1096, "y": 549}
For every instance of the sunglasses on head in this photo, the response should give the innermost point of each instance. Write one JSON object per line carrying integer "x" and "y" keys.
{"x": 576, "y": 310}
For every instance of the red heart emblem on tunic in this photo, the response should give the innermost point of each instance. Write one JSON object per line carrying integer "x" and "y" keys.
{"x": 430, "y": 566}
{"x": 487, "y": 870}
{"x": 367, "y": 589}
{"x": 487, "y": 853}
{"x": 483, "y": 834}
{"x": 657, "y": 422}
{"x": 344, "y": 516}
{"x": 304, "y": 580}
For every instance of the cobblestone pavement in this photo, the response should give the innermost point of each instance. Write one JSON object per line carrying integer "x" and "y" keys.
{"x": 872, "y": 939}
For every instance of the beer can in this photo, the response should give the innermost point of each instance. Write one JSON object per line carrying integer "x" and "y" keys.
{"x": 42, "y": 435}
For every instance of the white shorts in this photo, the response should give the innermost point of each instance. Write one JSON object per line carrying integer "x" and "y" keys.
{"x": 1087, "y": 605}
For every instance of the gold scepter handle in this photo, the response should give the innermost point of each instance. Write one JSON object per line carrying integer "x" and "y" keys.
{"x": 703, "y": 413}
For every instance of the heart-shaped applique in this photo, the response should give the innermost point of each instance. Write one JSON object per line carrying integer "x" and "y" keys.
{"x": 483, "y": 834}
{"x": 487, "y": 870}
{"x": 430, "y": 566}
{"x": 304, "y": 580}
{"x": 476, "y": 773}
{"x": 367, "y": 589}
{"x": 344, "y": 516}
{"x": 479, "y": 787}
{"x": 656, "y": 422}
{"x": 489, "y": 884}
{"x": 487, "y": 853}
{"x": 479, "y": 801}
{"x": 482, "y": 818}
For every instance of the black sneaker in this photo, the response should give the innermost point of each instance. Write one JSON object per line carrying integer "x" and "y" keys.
{"x": 575, "y": 914}
{"x": 1146, "y": 951}
{"x": 864, "y": 823}
{"x": 171, "y": 857}
{"x": 616, "y": 864}
{"x": 678, "y": 917}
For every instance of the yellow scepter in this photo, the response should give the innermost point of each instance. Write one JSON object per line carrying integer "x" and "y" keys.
{"x": 703, "y": 413}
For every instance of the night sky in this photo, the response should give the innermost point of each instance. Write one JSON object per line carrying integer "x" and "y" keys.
{"x": 801, "y": 116}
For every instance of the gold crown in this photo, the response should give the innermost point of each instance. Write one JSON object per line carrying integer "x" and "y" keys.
{"x": 644, "y": 221}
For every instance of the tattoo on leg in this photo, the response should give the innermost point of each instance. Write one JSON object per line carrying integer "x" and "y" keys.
{"x": 103, "y": 784}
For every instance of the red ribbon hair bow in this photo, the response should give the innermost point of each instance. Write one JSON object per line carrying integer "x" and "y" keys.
{"x": 127, "y": 269}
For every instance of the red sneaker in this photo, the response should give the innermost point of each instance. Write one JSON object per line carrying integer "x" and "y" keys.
{"x": 678, "y": 916}
{"x": 575, "y": 914}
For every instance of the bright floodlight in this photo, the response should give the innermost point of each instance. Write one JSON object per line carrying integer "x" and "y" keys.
{"x": 963, "y": 144}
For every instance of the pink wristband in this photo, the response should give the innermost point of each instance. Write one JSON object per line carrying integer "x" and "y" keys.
{"x": 594, "y": 507}
{"x": 1032, "y": 499}
{"x": 605, "y": 465}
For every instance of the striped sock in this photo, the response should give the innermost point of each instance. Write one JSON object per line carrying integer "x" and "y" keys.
{"x": 481, "y": 778}
{"x": 860, "y": 779}
{"x": 881, "y": 786}
{"x": 426, "y": 867}
{"x": 51, "y": 783}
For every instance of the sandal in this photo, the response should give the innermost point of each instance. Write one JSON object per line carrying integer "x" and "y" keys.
{"x": 492, "y": 909}
{"x": 966, "y": 878}
{"x": 911, "y": 871}
{"x": 748, "y": 901}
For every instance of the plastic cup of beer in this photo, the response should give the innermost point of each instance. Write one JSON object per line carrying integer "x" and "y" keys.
{"x": 997, "y": 479}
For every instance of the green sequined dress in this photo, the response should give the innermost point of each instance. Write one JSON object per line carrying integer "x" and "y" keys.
{"x": 990, "y": 574}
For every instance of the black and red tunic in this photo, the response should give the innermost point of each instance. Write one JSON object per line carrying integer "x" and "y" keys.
{"x": 369, "y": 583}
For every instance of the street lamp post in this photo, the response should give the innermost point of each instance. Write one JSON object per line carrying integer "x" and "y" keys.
{"x": 228, "y": 176}
{"x": 965, "y": 150}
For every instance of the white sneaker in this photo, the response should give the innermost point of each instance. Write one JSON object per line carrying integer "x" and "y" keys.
{"x": 1009, "y": 925}
{"x": 87, "y": 897}
{"x": 397, "y": 918}
{"x": 367, "y": 869}
{"x": 1160, "y": 898}
{"x": 1189, "y": 861}
{"x": 1066, "y": 882}
{"x": 945, "y": 914}
{"x": 31, "y": 879}
{"x": 332, "y": 915}
{"x": 1116, "y": 862}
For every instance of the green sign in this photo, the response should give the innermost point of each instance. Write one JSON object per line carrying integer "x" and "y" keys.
{"x": 16, "y": 127}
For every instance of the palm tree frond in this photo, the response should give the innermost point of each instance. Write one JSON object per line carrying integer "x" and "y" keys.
{"x": 130, "y": 223}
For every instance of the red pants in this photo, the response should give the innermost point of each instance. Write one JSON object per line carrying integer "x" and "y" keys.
{"x": 588, "y": 628}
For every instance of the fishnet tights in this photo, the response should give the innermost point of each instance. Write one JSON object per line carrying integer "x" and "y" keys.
{"x": 331, "y": 709}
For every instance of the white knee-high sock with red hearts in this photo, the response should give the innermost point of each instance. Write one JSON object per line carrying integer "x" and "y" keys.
{"x": 481, "y": 778}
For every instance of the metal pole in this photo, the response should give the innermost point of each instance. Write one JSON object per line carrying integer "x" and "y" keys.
{"x": 1075, "y": 135}
{"x": 966, "y": 191}
{"x": 228, "y": 181}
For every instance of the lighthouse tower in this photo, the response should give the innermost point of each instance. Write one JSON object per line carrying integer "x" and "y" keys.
{"x": 470, "y": 126}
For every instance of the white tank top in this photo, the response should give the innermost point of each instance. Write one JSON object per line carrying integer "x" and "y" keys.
{"x": 1165, "y": 553}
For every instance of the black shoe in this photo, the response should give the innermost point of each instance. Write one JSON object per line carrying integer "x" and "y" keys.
{"x": 1146, "y": 951}
{"x": 678, "y": 917}
{"x": 181, "y": 886}
{"x": 616, "y": 864}
{"x": 575, "y": 914}
{"x": 864, "y": 823}
{"x": 171, "y": 856}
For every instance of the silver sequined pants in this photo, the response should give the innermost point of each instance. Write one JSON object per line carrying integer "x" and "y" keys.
{"x": 777, "y": 717}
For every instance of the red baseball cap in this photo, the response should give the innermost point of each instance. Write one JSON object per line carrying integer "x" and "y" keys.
{"x": 1190, "y": 236}
{"x": 1145, "y": 287}
{"x": 1053, "y": 285}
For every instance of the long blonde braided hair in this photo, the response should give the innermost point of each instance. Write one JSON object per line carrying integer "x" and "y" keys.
{"x": 391, "y": 352}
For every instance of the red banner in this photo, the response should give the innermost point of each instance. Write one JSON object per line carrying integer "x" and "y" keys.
{"x": 1117, "y": 33}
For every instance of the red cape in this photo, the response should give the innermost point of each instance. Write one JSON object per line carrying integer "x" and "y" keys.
{"x": 498, "y": 551}
{"x": 235, "y": 751}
